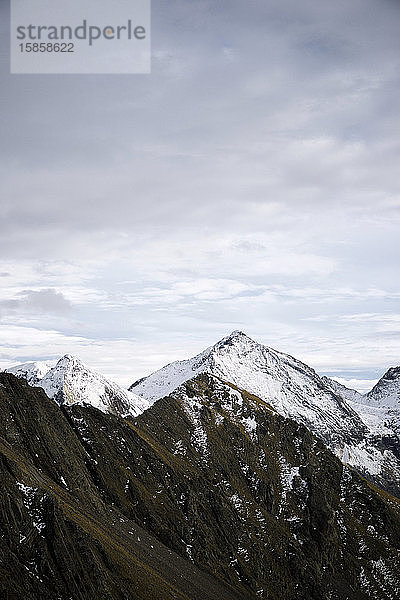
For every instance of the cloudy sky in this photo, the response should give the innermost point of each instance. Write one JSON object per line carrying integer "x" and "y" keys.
{"x": 250, "y": 182}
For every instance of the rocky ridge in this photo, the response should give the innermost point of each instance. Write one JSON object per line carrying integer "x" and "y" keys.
{"x": 69, "y": 381}
{"x": 362, "y": 430}
{"x": 209, "y": 493}
{"x": 357, "y": 435}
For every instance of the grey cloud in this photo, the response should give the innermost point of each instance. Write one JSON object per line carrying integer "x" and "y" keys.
{"x": 47, "y": 301}
{"x": 272, "y": 125}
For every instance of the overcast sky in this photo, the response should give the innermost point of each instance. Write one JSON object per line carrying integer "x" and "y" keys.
{"x": 250, "y": 182}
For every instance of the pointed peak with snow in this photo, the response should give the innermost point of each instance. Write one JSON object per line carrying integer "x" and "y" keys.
{"x": 236, "y": 358}
{"x": 70, "y": 381}
{"x": 386, "y": 393}
{"x": 236, "y": 339}
{"x": 235, "y": 336}
{"x": 33, "y": 371}
{"x": 344, "y": 391}
{"x": 70, "y": 359}
{"x": 291, "y": 388}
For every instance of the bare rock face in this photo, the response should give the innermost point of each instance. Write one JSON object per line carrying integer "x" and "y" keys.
{"x": 60, "y": 536}
{"x": 210, "y": 493}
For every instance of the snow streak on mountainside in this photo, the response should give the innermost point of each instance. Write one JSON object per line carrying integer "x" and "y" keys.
{"x": 293, "y": 389}
{"x": 69, "y": 381}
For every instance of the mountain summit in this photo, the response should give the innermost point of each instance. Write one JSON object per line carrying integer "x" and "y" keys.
{"x": 69, "y": 381}
{"x": 294, "y": 390}
{"x": 387, "y": 391}
{"x": 212, "y": 492}
{"x": 363, "y": 431}
{"x": 290, "y": 386}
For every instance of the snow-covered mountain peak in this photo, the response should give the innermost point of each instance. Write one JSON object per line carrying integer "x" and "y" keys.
{"x": 33, "y": 372}
{"x": 290, "y": 387}
{"x": 70, "y": 358}
{"x": 70, "y": 361}
{"x": 236, "y": 341}
{"x": 70, "y": 381}
{"x": 386, "y": 393}
{"x": 342, "y": 390}
{"x": 232, "y": 352}
{"x": 236, "y": 336}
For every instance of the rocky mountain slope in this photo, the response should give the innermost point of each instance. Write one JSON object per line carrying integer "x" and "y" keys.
{"x": 69, "y": 381}
{"x": 207, "y": 494}
{"x": 296, "y": 391}
{"x": 59, "y": 536}
{"x": 342, "y": 390}
{"x": 387, "y": 391}
{"x": 33, "y": 372}
{"x": 379, "y": 408}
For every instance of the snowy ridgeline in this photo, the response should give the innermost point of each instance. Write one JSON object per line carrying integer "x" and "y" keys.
{"x": 349, "y": 423}
{"x": 69, "y": 381}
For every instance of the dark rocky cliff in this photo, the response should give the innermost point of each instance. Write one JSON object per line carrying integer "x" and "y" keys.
{"x": 202, "y": 496}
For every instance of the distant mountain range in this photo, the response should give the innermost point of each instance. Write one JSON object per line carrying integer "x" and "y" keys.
{"x": 233, "y": 474}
